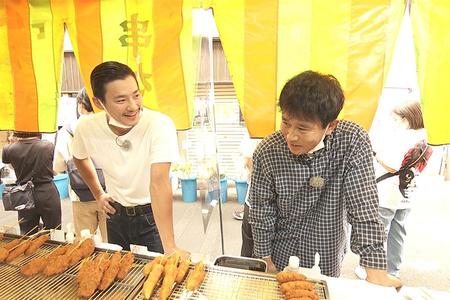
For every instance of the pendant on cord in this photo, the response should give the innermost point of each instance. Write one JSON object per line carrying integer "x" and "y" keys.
{"x": 125, "y": 145}
{"x": 316, "y": 181}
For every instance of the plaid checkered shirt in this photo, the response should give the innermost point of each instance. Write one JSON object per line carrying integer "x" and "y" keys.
{"x": 289, "y": 216}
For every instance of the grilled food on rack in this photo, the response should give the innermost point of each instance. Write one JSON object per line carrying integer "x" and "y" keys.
{"x": 74, "y": 256}
{"x": 36, "y": 243}
{"x": 152, "y": 280}
{"x": 299, "y": 285}
{"x": 301, "y": 294}
{"x": 18, "y": 250}
{"x": 56, "y": 265}
{"x": 60, "y": 251}
{"x": 125, "y": 265}
{"x": 88, "y": 284}
{"x": 3, "y": 254}
{"x": 103, "y": 261}
{"x": 1, "y": 235}
{"x": 170, "y": 273}
{"x": 111, "y": 273}
{"x": 294, "y": 285}
{"x": 196, "y": 277}
{"x": 85, "y": 268}
{"x": 162, "y": 259}
{"x": 11, "y": 244}
{"x": 182, "y": 270}
{"x": 87, "y": 247}
{"x": 289, "y": 276}
{"x": 34, "y": 267}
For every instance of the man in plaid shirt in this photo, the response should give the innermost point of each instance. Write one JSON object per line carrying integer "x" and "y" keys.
{"x": 311, "y": 179}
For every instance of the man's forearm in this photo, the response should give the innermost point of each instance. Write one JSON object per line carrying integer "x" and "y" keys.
{"x": 162, "y": 207}
{"x": 89, "y": 175}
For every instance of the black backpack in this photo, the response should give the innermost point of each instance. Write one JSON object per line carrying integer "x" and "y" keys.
{"x": 76, "y": 181}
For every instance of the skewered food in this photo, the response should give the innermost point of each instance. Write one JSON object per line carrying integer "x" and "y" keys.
{"x": 182, "y": 270}
{"x": 152, "y": 280}
{"x": 162, "y": 259}
{"x": 18, "y": 250}
{"x": 34, "y": 267}
{"x": 56, "y": 265}
{"x": 299, "y": 284}
{"x": 36, "y": 243}
{"x": 170, "y": 273}
{"x": 74, "y": 256}
{"x": 88, "y": 284}
{"x": 12, "y": 244}
{"x": 3, "y": 254}
{"x": 111, "y": 273}
{"x": 60, "y": 251}
{"x": 125, "y": 265}
{"x": 87, "y": 247}
{"x": 196, "y": 277}
{"x": 299, "y": 293}
{"x": 289, "y": 276}
{"x": 85, "y": 268}
{"x": 103, "y": 261}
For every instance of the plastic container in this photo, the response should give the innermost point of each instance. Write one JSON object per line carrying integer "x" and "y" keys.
{"x": 241, "y": 190}
{"x": 2, "y": 188}
{"x": 189, "y": 189}
{"x": 294, "y": 264}
{"x": 62, "y": 184}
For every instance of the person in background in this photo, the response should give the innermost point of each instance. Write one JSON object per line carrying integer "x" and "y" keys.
{"x": 135, "y": 148}
{"x": 405, "y": 145}
{"x": 247, "y": 148}
{"x": 32, "y": 159}
{"x": 312, "y": 177}
{"x": 86, "y": 214}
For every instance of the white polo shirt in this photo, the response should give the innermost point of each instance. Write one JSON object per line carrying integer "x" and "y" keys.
{"x": 127, "y": 173}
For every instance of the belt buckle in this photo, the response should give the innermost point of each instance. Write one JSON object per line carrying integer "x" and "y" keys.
{"x": 130, "y": 210}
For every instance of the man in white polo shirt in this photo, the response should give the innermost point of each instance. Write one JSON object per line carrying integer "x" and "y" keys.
{"x": 135, "y": 148}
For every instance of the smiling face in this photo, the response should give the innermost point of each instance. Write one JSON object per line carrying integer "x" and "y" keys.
{"x": 123, "y": 100}
{"x": 303, "y": 135}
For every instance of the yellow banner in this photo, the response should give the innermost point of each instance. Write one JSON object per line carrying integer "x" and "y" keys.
{"x": 268, "y": 42}
{"x": 152, "y": 37}
{"x": 431, "y": 30}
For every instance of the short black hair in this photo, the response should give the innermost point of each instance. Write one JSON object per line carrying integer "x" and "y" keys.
{"x": 107, "y": 72}
{"x": 27, "y": 134}
{"x": 313, "y": 96}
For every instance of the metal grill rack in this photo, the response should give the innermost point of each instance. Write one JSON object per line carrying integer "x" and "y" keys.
{"x": 223, "y": 283}
{"x": 13, "y": 285}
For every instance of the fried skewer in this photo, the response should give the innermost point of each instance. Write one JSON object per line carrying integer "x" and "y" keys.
{"x": 152, "y": 280}
{"x": 196, "y": 277}
{"x": 111, "y": 273}
{"x": 125, "y": 265}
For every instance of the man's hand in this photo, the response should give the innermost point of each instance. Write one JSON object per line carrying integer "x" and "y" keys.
{"x": 381, "y": 277}
{"x": 270, "y": 265}
{"x": 103, "y": 202}
{"x": 183, "y": 253}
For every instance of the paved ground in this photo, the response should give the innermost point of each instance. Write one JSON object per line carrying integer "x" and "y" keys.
{"x": 426, "y": 251}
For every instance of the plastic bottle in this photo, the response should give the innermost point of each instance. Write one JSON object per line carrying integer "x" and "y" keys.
{"x": 294, "y": 264}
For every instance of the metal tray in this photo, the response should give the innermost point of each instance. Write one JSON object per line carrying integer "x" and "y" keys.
{"x": 223, "y": 283}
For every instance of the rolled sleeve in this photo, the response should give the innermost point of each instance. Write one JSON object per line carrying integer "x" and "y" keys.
{"x": 361, "y": 198}
{"x": 263, "y": 209}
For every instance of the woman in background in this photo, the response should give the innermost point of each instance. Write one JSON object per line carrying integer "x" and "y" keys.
{"x": 405, "y": 150}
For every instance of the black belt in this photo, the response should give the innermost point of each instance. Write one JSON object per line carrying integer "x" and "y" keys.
{"x": 132, "y": 211}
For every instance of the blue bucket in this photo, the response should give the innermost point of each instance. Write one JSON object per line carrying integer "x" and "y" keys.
{"x": 2, "y": 188}
{"x": 189, "y": 189}
{"x": 62, "y": 184}
{"x": 241, "y": 190}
